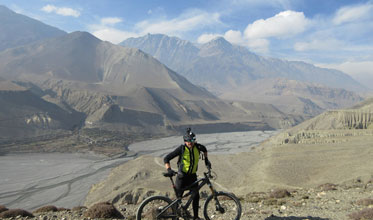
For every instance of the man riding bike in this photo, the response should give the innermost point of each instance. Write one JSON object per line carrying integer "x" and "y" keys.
{"x": 187, "y": 166}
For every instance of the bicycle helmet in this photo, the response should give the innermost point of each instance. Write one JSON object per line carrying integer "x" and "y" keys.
{"x": 189, "y": 136}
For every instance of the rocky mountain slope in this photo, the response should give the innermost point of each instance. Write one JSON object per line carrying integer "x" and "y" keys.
{"x": 125, "y": 90}
{"x": 24, "y": 114}
{"x": 232, "y": 72}
{"x": 294, "y": 97}
{"x": 18, "y": 30}
{"x": 146, "y": 107}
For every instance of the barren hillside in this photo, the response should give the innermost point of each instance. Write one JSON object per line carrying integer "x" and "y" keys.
{"x": 339, "y": 154}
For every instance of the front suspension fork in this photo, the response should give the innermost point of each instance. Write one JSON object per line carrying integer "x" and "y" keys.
{"x": 218, "y": 206}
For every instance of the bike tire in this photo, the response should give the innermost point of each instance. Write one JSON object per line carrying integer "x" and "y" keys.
{"x": 231, "y": 207}
{"x": 154, "y": 205}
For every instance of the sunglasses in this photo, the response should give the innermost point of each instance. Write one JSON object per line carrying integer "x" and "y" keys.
{"x": 190, "y": 141}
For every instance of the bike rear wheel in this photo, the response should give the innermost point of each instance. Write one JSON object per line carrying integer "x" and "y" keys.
{"x": 154, "y": 208}
{"x": 222, "y": 206}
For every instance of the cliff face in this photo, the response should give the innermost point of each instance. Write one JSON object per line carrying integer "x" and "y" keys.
{"x": 342, "y": 119}
{"x": 332, "y": 126}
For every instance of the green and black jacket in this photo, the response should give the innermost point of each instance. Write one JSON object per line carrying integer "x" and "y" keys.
{"x": 188, "y": 158}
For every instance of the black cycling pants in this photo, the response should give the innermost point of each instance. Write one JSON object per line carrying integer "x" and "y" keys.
{"x": 184, "y": 180}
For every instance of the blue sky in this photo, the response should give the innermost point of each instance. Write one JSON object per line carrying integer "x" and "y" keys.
{"x": 328, "y": 33}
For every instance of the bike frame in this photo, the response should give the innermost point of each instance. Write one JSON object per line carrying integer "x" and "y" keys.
{"x": 199, "y": 182}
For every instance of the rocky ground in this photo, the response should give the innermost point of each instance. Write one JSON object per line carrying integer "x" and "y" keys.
{"x": 301, "y": 169}
{"x": 328, "y": 201}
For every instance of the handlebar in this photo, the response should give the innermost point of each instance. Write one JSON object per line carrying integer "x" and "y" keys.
{"x": 208, "y": 173}
{"x": 170, "y": 174}
{"x": 173, "y": 173}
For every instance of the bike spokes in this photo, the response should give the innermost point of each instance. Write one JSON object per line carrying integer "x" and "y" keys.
{"x": 156, "y": 210}
{"x": 219, "y": 208}
{"x": 222, "y": 207}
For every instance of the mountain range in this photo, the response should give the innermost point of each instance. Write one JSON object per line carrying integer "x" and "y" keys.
{"x": 81, "y": 82}
{"x": 233, "y": 72}
{"x": 17, "y": 29}
{"x": 218, "y": 62}
{"x": 125, "y": 89}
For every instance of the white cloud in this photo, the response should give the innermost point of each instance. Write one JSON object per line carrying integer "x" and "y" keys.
{"x": 353, "y": 13}
{"x": 61, "y": 11}
{"x": 319, "y": 44}
{"x": 188, "y": 21}
{"x": 111, "y": 21}
{"x": 112, "y": 35}
{"x": 49, "y": 8}
{"x": 259, "y": 45}
{"x": 204, "y": 38}
{"x": 284, "y": 24}
{"x": 353, "y": 68}
{"x": 362, "y": 71}
{"x": 235, "y": 37}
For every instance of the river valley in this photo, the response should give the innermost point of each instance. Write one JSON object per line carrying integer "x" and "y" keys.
{"x": 30, "y": 181}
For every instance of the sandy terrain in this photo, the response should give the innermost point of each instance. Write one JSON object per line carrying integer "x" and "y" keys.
{"x": 299, "y": 168}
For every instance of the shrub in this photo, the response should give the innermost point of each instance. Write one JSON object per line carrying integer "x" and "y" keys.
{"x": 365, "y": 202}
{"x": 270, "y": 201}
{"x": 14, "y": 213}
{"x": 62, "y": 209}
{"x": 79, "y": 208}
{"x": 364, "y": 214}
{"x": 279, "y": 193}
{"x": 49, "y": 208}
{"x": 3, "y": 208}
{"x": 328, "y": 187}
{"x": 103, "y": 210}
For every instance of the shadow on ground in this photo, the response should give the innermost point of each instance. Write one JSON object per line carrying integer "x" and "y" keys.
{"x": 294, "y": 218}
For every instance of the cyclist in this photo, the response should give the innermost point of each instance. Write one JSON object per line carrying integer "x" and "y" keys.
{"x": 187, "y": 166}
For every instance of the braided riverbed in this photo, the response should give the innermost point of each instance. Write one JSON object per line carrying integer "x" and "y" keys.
{"x": 30, "y": 181}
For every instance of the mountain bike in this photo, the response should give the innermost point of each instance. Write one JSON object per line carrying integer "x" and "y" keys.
{"x": 218, "y": 206}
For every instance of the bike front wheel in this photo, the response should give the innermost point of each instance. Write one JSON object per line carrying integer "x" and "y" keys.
{"x": 156, "y": 207}
{"x": 222, "y": 206}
